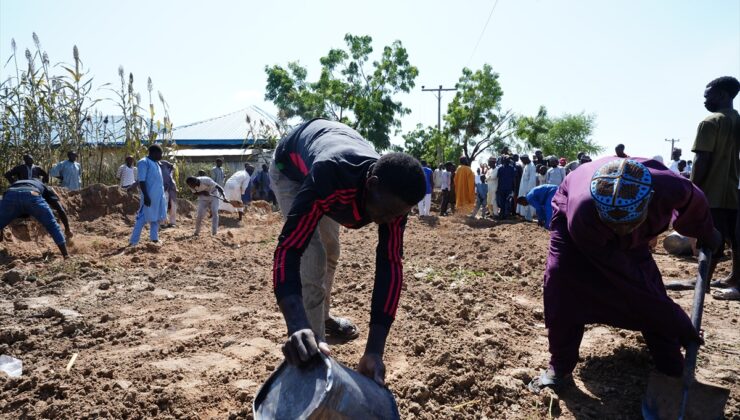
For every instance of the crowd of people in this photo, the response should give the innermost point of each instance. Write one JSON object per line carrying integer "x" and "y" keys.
{"x": 498, "y": 188}
{"x": 154, "y": 178}
{"x": 602, "y": 216}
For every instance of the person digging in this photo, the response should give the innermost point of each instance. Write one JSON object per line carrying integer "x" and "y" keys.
{"x": 325, "y": 174}
{"x": 599, "y": 266}
{"x": 32, "y": 197}
{"x": 209, "y": 195}
{"x": 540, "y": 198}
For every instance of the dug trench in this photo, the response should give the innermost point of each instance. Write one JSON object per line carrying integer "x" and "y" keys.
{"x": 190, "y": 328}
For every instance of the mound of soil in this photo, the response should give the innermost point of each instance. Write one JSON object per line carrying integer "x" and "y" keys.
{"x": 97, "y": 205}
{"x": 100, "y": 200}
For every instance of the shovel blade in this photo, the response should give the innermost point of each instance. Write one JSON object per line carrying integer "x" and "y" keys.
{"x": 664, "y": 394}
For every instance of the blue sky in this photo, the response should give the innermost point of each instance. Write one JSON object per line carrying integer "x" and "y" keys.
{"x": 640, "y": 66}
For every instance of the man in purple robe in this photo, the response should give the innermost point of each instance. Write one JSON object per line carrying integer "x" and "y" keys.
{"x": 600, "y": 269}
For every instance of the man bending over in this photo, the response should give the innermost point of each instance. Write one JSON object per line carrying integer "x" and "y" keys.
{"x": 325, "y": 174}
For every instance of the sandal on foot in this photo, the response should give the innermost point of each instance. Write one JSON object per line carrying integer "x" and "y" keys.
{"x": 341, "y": 328}
{"x": 548, "y": 379}
{"x": 732, "y": 293}
{"x": 722, "y": 284}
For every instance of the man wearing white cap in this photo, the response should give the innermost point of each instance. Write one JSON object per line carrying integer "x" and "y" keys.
{"x": 529, "y": 181}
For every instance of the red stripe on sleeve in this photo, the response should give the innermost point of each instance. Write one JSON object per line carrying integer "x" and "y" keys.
{"x": 299, "y": 163}
{"x": 305, "y": 228}
{"x": 396, "y": 266}
{"x": 392, "y": 239}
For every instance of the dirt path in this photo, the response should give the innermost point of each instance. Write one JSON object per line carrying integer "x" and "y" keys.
{"x": 190, "y": 329}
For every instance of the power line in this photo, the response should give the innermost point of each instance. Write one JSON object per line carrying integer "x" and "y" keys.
{"x": 438, "y": 95}
{"x": 482, "y": 32}
{"x": 673, "y": 142}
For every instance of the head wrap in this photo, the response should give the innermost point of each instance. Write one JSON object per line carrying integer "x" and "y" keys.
{"x": 621, "y": 190}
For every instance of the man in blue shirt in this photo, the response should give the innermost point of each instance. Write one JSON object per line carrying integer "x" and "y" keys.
{"x": 69, "y": 172}
{"x": 153, "y": 206}
{"x": 425, "y": 205}
{"x": 32, "y": 197}
{"x": 481, "y": 192}
{"x": 266, "y": 190}
{"x": 247, "y": 194}
{"x": 540, "y": 198}
{"x": 217, "y": 172}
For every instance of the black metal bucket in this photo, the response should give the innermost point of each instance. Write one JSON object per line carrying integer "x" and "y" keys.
{"x": 325, "y": 389}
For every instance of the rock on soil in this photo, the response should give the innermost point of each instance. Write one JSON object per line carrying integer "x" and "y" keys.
{"x": 12, "y": 277}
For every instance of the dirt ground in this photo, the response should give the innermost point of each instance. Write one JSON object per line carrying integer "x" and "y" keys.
{"x": 190, "y": 328}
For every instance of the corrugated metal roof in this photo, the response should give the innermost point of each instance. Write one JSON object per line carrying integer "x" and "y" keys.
{"x": 99, "y": 130}
{"x": 191, "y": 153}
{"x": 235, "y": 128}
{"x": 248, "y": 126}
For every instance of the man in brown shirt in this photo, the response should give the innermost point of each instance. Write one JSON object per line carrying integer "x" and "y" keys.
{"x": 715, "y": 172}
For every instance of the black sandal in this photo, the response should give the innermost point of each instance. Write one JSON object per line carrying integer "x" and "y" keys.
{"x": 548, "y": 379}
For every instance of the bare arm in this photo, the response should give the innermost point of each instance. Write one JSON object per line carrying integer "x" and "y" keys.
{"x": 61, "y": 213}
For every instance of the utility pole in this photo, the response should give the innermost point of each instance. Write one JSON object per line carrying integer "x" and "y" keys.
{"x": 673, "y": 141}
{"x": 438, "y": 95}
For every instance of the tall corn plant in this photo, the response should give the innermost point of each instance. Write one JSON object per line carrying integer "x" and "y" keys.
{"x": 48, "y": 114}
{"x": 28, "y": 107}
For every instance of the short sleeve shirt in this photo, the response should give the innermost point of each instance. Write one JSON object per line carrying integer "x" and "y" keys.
{"x": 719, "y": 134}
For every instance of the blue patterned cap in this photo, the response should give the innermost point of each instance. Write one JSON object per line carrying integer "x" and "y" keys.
{"x": 621, "y": 190}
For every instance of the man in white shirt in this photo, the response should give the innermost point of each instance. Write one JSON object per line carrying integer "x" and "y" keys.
{"x": 436, "y": 177}
{"x": 205, "y": 188}
{"x": 528, "y": 182}
{"x": 675, "y": 158}
{"x": 235, "y": 187}
{"x": 556, "y": 174}
{"x": 492, "y": 181}
{"x": 127, "y": 173}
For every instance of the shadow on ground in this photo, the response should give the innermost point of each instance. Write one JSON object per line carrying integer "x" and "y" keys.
{"x": 616, "y": 383}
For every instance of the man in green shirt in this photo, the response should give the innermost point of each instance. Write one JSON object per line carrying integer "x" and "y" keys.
{"x": 715, "y": 172}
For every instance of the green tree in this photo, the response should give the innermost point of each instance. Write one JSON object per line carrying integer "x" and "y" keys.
{"x": 560, "y": 136}
{"x": 421, "y": 143}
{"x": 475, "y": 117}
{"x": 532, "y": 129}
{"x": 350, "y": 89}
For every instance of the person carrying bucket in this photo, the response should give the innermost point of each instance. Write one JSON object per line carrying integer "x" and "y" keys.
{"x": 599, "y": 266}
{"x": 325, "y": 174}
